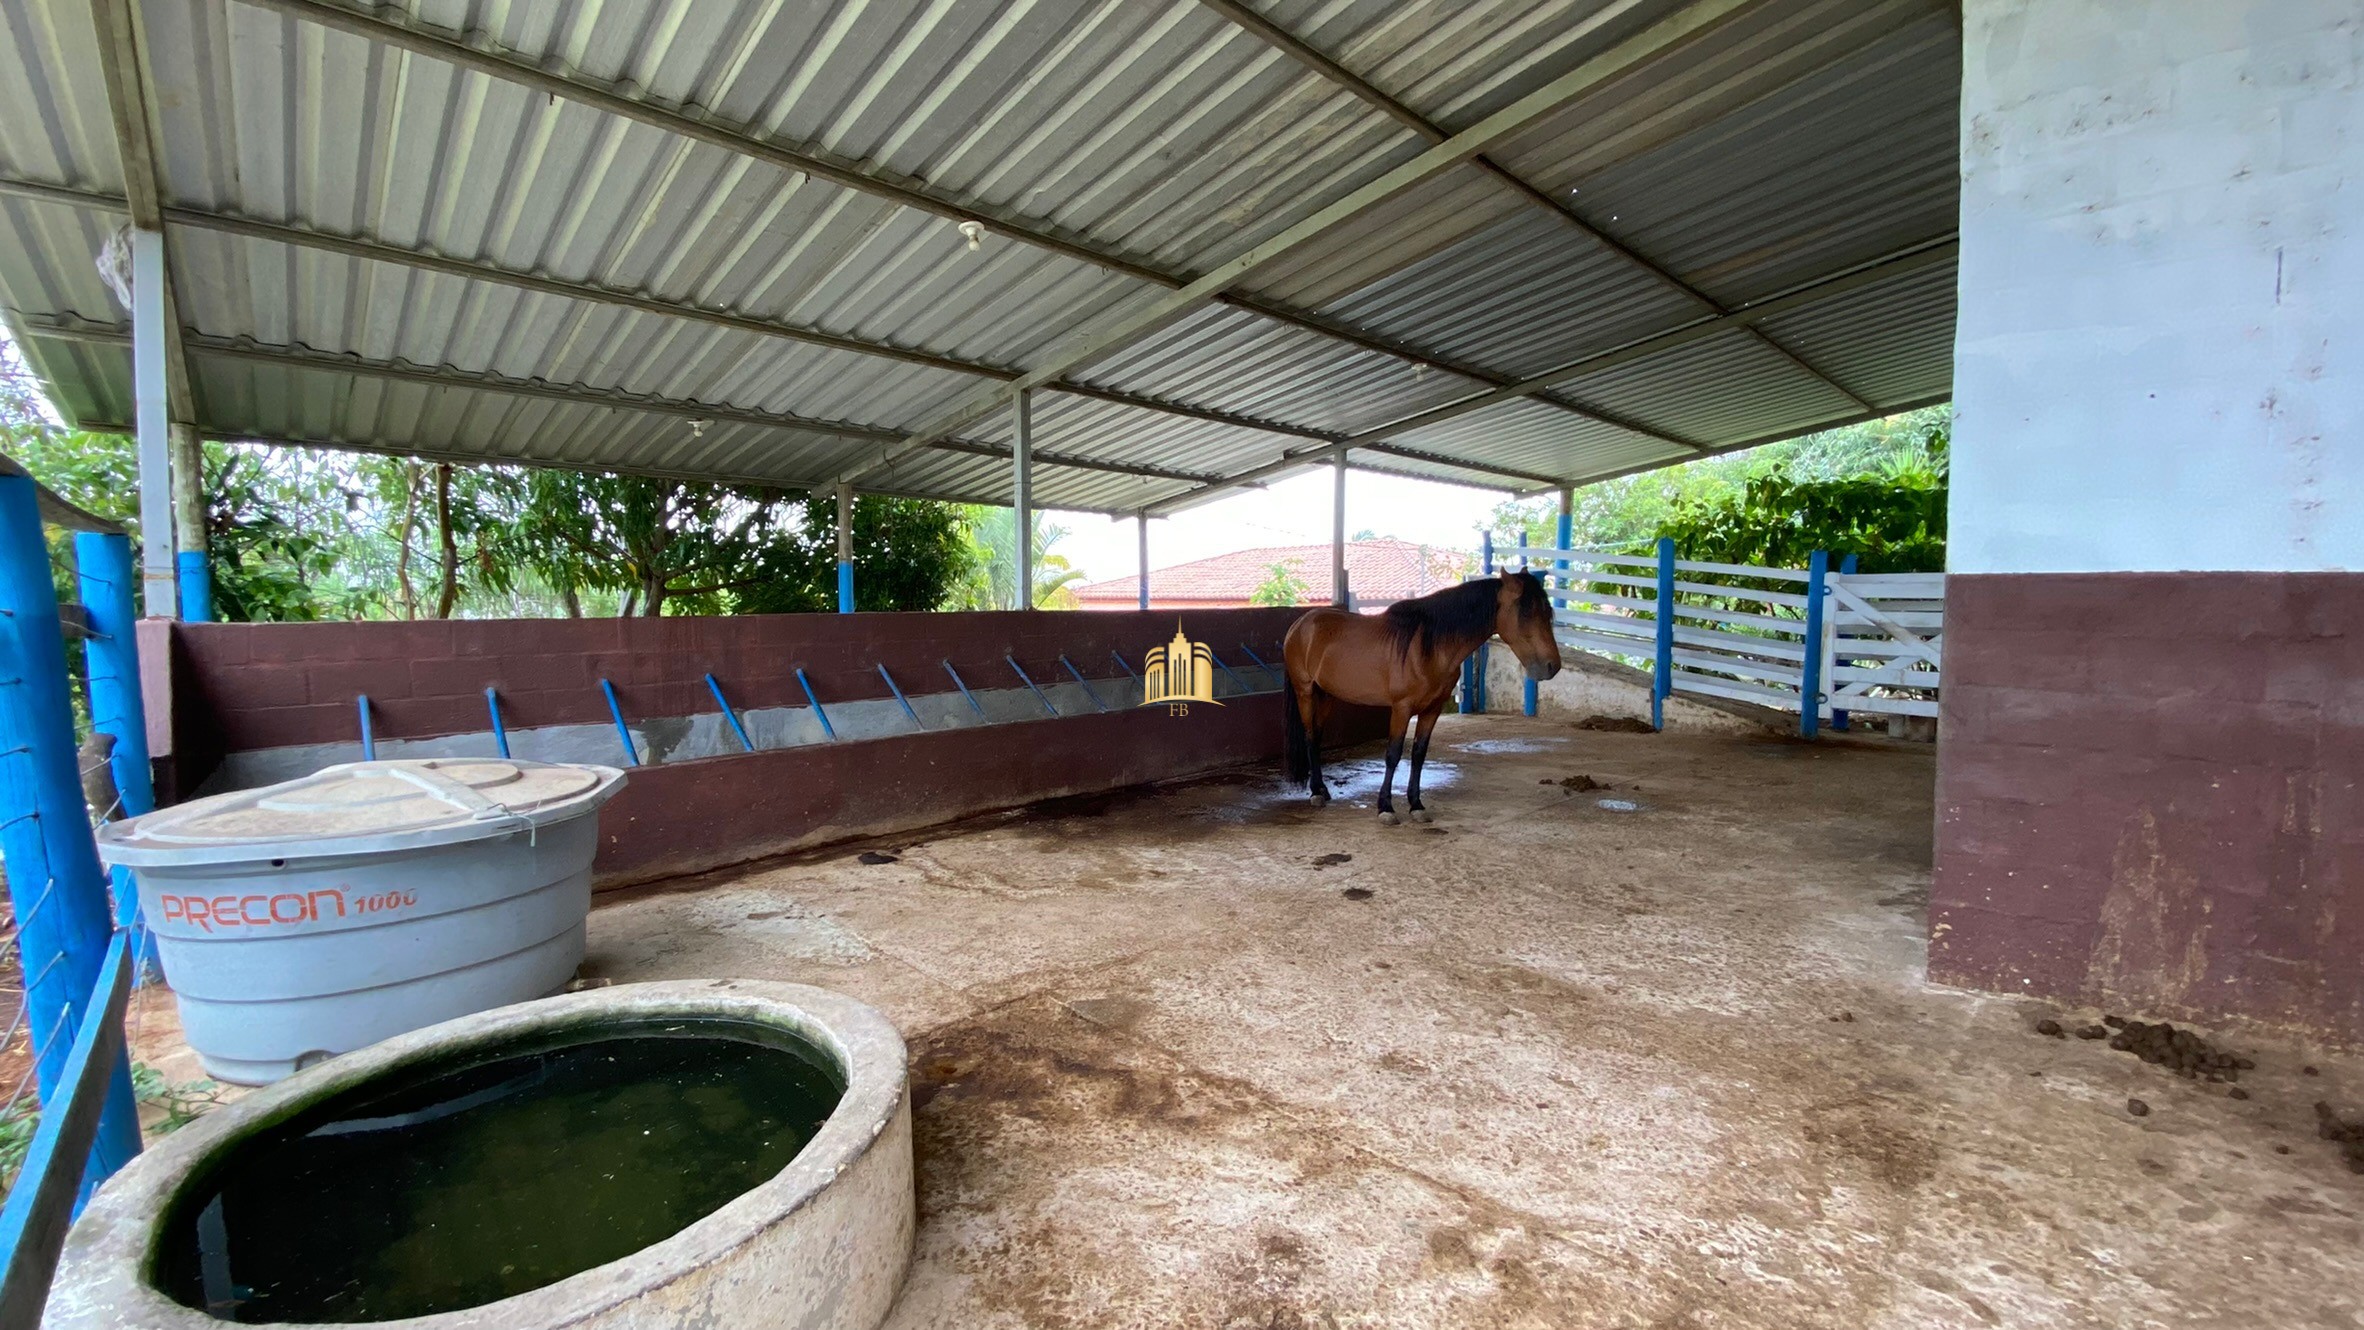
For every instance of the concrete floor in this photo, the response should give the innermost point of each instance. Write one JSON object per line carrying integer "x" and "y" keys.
{"x": 1562, "y": 1067}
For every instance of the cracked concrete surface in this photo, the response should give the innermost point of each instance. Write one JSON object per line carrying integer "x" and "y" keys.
{"x": 1562, "y": 1067}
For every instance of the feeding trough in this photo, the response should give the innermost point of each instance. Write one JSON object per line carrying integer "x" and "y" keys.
{"x": 713, "y": 1153}
{"x": 319, "y": 915}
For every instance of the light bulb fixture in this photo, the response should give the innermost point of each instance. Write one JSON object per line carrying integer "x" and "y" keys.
{"x": 975, "y": 231}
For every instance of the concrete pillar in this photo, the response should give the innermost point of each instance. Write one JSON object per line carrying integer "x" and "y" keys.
{"x": 2150, "y": 744}
{"x": 1338, "y": 587}
{"x": 151, "y": 413}
{"x": 845, "y": 549}
{"x": 1143, "y": 520}
{"x": 1022, "y": 497}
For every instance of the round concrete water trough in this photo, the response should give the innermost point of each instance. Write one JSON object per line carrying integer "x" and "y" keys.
{"x": 821, "y": 1245}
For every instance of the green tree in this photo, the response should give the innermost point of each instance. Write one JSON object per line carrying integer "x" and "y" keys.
{"x": 992, "y": 583}
{"x": 1281, "y": 586}
{"x": 1892, "y": 518}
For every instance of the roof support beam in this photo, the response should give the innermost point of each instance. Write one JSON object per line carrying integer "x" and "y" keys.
{"x": 218, "y": 348}
{"x": 473, "y": 270}
{"x": 1676, "y": 30}
{"x": 1288, "y": 44}
{"x": 1901, "y": 264}
{"x": 440, "y": 45}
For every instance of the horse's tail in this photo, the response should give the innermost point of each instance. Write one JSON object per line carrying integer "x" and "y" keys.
{"x": 1293, "y": 765}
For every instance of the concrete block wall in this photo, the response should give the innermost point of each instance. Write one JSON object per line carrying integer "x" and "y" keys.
{"x": 236, "y": 705}
{"x": 2149, "y": 791}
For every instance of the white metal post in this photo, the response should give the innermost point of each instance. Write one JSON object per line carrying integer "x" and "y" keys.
{"x": 1338, "y": 589}
{"x": 1143, "y": 520}
{"x": 152, "y": 412}
{"x": 1022, "y": 499}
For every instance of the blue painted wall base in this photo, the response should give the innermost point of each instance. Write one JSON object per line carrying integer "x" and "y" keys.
{"x": 845, "y": 587}
{"x": 196, "y": 577}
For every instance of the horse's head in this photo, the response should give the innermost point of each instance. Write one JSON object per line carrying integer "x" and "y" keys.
{"x": 1522, "y": 618}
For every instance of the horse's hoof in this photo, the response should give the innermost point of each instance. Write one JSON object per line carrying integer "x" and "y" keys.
{"x": 1387, "y": 819}
{"x": 1421, "y": 815}
{"x": 1321, "y": 800}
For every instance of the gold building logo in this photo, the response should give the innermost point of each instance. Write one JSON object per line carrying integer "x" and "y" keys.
{"x": 1177, "y": 674}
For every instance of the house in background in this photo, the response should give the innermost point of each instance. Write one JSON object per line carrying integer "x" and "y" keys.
{"x": 1378, "y": 572}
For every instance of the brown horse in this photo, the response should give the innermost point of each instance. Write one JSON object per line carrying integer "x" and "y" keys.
{"x": 1407, "y": 660}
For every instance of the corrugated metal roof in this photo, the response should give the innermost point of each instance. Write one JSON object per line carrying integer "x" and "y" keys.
{"x": 1141, "y": 143}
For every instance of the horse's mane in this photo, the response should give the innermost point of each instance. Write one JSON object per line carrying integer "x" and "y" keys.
{"x": 1458, "y": 613}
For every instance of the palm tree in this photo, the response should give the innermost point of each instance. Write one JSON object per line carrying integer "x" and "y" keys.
{"x": 994, "y": 583}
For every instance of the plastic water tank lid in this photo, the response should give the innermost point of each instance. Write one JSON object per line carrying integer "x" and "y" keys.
{"x": 415, "y": 801}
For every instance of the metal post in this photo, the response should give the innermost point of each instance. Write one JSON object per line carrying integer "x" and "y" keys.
{"x": 745, "y": 744}
{"x": 1022, "y": 498}
{"x": 193, "y": 563}
{"x": 112, "y": 662}
{"x": 1662, "y": 685}
{"x": 845, "y": 549}
{"x": 1338, "y": 587}
{"x": 1810, "y": 679}
{"x": 1838, "y": 719}
{"x": 1143, "y": 520}
{"x": 815, "y": 703}
{"x": 111, "y": 666}
{"x": 59, "y": 892}
{"x": 150, "y": 409}
{"x": 1484, "y": 654}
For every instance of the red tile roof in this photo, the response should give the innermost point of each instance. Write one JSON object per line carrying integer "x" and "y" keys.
{"x": 1378, "y": 571}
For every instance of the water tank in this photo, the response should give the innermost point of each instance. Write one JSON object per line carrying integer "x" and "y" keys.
{"x": 323, "y": 914}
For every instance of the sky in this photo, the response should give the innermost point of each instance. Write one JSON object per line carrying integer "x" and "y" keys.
{"x": 1295, "y": 511}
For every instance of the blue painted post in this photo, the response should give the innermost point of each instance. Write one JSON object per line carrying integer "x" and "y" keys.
{"x": 815, "y": 702}
{"x": 616, "y": 713}
{"x": 845, "y": 549}
{"x": 897, "y": 690}
{"x": 369, "y": 740}
{"x": 1838, "y": 719}
{"x": 1810, "y": 684}
{"x": 1046, "y": 702}
{"x": 63, "y": 914}
{"x": 111, "y": 665}
{"x": 1662, "y": 686}
{"x": 196, "y": 578}
{"x": 964, "y": 689}
{"x": 1479, "y": 661}
{"x": 733, "y": 716}
{"x": 492, "y": 703}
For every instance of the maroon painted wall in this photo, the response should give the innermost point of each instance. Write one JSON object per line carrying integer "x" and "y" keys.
{"x": 2149, "y": 794}
{"x": 212, "y": 689}
{"x": 687, "y": 816}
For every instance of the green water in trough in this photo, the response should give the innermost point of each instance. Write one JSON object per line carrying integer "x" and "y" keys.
{"x": 495, "y": 1174}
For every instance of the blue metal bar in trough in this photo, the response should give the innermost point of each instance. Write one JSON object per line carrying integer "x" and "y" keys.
{"x": 50, "y": 1187}
{"x": 1127, "y": 668}
{"x": 492, "y": 703}
{"x": 1046, "y": 702}
{"x": 1662, "y": 678}
{"x": 64, "y": 915}
{"x": 1087, "y": 687}
{"x": 1810, "y": 680}
{"x": 964, "y": 688}
{"x": 616, "y": 713}
{"x": 1236, "y": 681}
{"x": 897, "y": 690}
{"x": 818, "y": 713}
{"x": 1256, "y": 658}
{"x": 728, "y": 714}
{"x": 369, "y": 740}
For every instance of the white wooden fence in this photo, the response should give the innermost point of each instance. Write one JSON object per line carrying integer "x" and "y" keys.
{"x": 1744, "y": 633}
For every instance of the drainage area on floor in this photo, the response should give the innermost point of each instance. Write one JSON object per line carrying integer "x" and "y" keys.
{"x": 505, "y": 1169}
